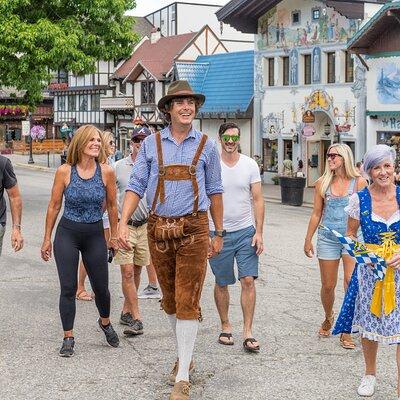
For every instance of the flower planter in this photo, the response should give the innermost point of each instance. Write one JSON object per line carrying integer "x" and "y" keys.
{"x": 292, "y": 190}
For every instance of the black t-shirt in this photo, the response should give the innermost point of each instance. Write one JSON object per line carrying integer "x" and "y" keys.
{"x": 7, "y": 181}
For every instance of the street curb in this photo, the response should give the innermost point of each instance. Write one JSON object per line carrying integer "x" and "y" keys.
{"x": 35, "y": 167}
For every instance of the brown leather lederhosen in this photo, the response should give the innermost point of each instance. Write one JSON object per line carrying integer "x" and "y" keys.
{"x": 179, "y": 245}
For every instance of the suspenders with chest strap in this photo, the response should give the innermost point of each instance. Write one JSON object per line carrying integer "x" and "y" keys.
{"x": 177, "y": 172}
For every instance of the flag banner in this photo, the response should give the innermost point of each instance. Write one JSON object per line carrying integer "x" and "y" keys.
{"x": 361, "y": 254}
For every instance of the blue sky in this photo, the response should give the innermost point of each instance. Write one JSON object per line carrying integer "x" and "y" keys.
{"x": 144, "y": 7}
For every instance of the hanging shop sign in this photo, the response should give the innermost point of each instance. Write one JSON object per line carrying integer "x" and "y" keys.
{"x": 343, "y": 128}
{"x": 308, "y": 130}
{"x": 308, "y": 117}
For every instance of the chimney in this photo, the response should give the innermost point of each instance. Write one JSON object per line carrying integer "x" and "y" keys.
{"x": 155, "y": 35}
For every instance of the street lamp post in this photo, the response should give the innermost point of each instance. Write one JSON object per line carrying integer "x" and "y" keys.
{"x": 30, "y": 161}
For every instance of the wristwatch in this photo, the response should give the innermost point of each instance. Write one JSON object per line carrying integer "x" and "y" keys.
{"x": 220, "y": 233}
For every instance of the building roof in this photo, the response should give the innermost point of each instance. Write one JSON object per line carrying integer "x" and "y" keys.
{"x": 244, "y": 14}
{"x": 227, "y": 80}
{"x": 157, "y": 58}
{"x": 384, "y": 20}
{"x": 143, "y": 26}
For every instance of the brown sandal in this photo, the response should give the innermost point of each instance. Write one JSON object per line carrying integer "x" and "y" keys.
{"x": 346, "y": 341}
{"x": 325, "y": 330}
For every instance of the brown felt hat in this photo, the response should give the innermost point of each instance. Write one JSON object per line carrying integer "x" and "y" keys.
{"x": 180, "y": 89}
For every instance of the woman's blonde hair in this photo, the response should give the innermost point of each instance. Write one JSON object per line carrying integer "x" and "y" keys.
{"x": 107, "y": 137}
{"x": 348, "y": 165}
{"x": 79, "y": 141}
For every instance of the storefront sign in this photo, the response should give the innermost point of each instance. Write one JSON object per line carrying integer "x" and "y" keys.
{"x": 343, "y": 128}
{"x": 308, "y": 130}
{"x": 308, "y": 117}
{"x": 25, "y": 128}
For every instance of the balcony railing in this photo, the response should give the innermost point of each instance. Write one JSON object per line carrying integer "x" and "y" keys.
{"x": 117, "y": 103}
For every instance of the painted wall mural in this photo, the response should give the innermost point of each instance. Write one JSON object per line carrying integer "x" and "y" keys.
{"x": 277, "y": 27}
{"x": 316, "y": 65}
{"x": 294, "y": 67}
{"x": 388, "y": 84}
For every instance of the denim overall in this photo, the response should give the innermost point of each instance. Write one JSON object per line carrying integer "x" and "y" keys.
{"x": 334, "y": 217}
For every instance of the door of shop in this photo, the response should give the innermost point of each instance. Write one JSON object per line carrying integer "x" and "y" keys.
{"x": 316, "y": 157}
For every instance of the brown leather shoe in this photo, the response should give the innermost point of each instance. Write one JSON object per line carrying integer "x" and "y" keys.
{"x": 180, "y": 391}
{"x": 173, "y": 373}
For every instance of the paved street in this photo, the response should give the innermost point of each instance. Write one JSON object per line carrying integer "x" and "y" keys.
{"x": 293, "y": 363}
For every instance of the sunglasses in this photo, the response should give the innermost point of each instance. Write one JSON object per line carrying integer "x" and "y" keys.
{"x": 227, "y": 138}
{"x": 137, "y": 140}
{"x": 332, "y": 155}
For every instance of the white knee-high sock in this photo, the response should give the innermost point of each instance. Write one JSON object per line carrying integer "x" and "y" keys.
{"x": 172, "y": 321}
{"x": 186, "y": 333}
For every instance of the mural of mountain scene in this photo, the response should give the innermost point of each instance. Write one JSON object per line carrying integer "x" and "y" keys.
{"x": 275, "y": 28}
{"x": 388, "y": 84}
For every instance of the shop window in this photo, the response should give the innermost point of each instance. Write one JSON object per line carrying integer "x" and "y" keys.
{"x": 307, "y": 69}
{"x": 349, "y": 73}
{"x": 287, "y": 149}
{"x": 271, "y": 71}
{"x": 270, "y": 150}
{"x": 331, "y": 67}
{"x": 285, "y": 64}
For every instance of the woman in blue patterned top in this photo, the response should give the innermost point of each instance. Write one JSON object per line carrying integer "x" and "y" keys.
{"x": 371, "y": 306}
{"x": 88, "y": 185}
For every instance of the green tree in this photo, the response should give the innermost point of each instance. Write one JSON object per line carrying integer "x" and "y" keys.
{"x": 40, "y": 36}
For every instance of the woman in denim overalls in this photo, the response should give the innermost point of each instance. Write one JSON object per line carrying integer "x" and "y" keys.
{"x": 331, "y": 196}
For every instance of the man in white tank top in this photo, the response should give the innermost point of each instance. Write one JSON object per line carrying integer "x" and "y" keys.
{"x": 243, "y": 242}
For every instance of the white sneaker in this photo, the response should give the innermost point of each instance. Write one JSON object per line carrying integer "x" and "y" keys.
{"x": 367, "y": 386}
{"x": 150, "y": 292}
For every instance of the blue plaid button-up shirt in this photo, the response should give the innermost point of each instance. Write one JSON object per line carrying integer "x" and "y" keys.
{"x": 179, "y": 198}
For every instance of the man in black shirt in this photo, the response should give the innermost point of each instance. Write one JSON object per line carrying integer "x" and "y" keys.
{"x": 8, "y": 181}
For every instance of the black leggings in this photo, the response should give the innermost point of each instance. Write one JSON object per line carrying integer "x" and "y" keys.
{"x": 88, "y": 239}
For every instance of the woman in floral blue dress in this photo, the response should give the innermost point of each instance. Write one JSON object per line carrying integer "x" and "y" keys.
{"x": 377, "y": 303}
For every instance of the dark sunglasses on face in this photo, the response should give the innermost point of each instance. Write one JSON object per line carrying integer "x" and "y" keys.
{"x": 227, "y": 138}
{"x": 137, "y": 140}
{"x": 332, "y": 155}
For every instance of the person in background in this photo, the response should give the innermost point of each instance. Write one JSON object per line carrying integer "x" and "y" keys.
{"x": 299, "y": 172}
{"x": 376, "y": 311}
{"x": 131, "y": 261}
{"x": 8, "y": 183}
{"x": 243, "y": 203}
{"x": 81, "y": 292}
{"x": 87, "y": 183}
{"x": 332, "y": 191}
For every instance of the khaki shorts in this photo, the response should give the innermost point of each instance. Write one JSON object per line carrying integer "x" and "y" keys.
{"x": 2, "y": 232}
{"x": 139, "y": 255}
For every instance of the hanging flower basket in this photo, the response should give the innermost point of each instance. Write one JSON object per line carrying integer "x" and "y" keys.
{"x": 38, "y": 132}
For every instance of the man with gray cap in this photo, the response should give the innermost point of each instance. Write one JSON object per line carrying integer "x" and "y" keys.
{"x": 131, "y": 261}
{"x": 180, "y": 172}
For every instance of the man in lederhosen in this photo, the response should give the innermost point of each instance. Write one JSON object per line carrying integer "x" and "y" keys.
{"x": 180, "y": 171}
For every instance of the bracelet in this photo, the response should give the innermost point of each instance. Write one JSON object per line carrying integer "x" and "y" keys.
{"x": 17, "y": 226}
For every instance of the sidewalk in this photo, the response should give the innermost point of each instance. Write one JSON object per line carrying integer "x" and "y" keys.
{"x": 272, "y": 193}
